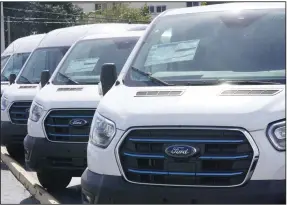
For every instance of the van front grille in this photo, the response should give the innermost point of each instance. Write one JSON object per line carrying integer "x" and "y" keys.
{"x": 58, "y": 125}
{"x": 224, "y": 157}
{"x": 19, "y": 112}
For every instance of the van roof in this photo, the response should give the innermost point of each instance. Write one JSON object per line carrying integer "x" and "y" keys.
{"x": 69, "y": 35}
{"x": 225, "y": 7}
{"x": 114, "y": 35}
{"x": 23, "y": 45}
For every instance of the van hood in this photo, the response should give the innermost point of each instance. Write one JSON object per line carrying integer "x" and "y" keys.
{"x": 68, "y": 96}
{"x": 195, "y": 106}
{"x": 21, "y": 92}
{"x": 4, "y": 85}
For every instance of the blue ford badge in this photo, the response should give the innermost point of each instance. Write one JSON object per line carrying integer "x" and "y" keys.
{"x": 78, "y": 122}
{"x": 180, "y": 151}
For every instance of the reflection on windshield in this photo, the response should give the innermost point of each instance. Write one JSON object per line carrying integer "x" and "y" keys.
{"x": 83, "y": 64}
{"x": 41, "y": 59}
{"x": 4, "y": 59}
{"x": 214, "y": 45}
{"x": 14, "y": 65}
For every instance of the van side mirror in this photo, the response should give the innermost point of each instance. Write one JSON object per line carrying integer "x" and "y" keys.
{"x": 108, "y": 76}
{"x": 12, "y": 78}
{"x": 45, "y": 76}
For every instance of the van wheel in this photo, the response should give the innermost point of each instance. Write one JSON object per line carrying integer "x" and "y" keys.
{"x": 54, "y": 180}
{"x": 16, "y": 151}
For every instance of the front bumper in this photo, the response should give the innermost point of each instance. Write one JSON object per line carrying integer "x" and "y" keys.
{"x": 12, "y": 133}
{"x": 42, "y": 154}
{"x": 97, "y": 188}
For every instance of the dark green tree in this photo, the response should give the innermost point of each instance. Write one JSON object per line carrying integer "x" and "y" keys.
{"x": 27, "y": 18}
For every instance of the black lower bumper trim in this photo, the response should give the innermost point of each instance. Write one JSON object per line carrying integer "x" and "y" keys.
{"x": 43, "y": 154}
{"x": 104, "y": 189}
{"x": 12, "y": 133}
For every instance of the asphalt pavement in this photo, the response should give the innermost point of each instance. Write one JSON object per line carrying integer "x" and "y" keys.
{"x": 13, "y": 192}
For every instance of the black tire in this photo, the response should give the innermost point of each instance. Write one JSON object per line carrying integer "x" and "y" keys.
{"x": 16, "y": 151}
{"x": 54, "y": 180}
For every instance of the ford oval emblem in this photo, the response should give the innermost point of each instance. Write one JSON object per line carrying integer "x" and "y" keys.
{"x": 78, "y": 122}
{"x": 181, "y": 151}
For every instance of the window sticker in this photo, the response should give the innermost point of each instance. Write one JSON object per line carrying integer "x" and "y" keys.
{"x": 82, "y": 65}
{"x": 172, "y": 52}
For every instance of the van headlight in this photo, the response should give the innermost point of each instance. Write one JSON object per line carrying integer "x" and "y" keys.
{"x": 36, "y": 112}
{"x": 4, "y": 103}
{"x": 276, "y": 134}
{"x": 102, "y": 132}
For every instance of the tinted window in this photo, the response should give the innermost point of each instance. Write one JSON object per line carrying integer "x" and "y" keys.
{"x": 41, "y": 59}
{"x": 83, "y": 64}
{"x": 14, "y": 65}
{"x": 249, "y": 44}
{"x": 4, "y": 59}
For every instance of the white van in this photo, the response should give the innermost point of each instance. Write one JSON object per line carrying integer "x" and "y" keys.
{"x": 199, "y": 119}
{"x": 61, "y": 113}
{"x": 15, "y": 55}
{"x": 17, "y": 98}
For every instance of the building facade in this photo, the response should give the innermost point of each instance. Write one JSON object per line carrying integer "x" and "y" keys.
{"x": 154, "y": 7}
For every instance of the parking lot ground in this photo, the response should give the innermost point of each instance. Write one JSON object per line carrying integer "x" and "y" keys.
{"x": 13, "y": 192}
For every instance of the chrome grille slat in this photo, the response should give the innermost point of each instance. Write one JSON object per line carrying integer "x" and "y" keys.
{"x": 58, "y": 129}
{"x": 19, "y": 112}
{"x": 226, "y": 157}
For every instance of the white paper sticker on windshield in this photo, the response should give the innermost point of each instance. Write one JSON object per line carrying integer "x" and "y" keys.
{"x": 82, "y": 65}
{"x": 172, "y": 52}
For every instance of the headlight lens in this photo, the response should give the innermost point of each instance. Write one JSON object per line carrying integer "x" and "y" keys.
{"x": 36, "y": 112}
{"x": 4, "y": 103}
{"x": 102, "y": 131}
{"x": 276, "y": 133}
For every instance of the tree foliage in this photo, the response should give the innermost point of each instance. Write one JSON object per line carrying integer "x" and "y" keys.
{"x": 118, "y": 13}
{"x": 27, "y": 18}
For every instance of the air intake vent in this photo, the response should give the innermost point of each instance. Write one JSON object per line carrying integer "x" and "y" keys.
{"x": 4, "y": 83}
{"x": 251, "y": 92}
{"x": 69, "y": 89}
{"x": 27, "y": 86}
{"x": 159, "y": 93}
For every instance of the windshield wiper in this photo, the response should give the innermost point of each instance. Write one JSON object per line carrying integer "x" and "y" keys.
{"x": 149, "y": 76}
{"x": 6, "y": 79}
{"x": 68, "y": 78}
{"x": 26, "y": 79}
{"x": 234, "y": 82}
{"x": 251, "y": 82}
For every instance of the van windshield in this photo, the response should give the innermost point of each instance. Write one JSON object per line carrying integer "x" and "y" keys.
{"x": 83, "y": 64}
{"x": 14, "y": 65}
{"x": 213, "y": 47}
{"x": 41, "y": 59}
{"x": 4, "y": 59}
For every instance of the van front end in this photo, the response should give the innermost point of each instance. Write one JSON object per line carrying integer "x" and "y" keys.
{"x": 189, "y": 150}
{"x": 58, "y": 132}
{"x": 197, "y": 114}
{"x": 15, "y": 107}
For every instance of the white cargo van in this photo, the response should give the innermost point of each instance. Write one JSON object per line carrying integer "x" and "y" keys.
{"x": 17, "y": 98}
{"x": 61, "y": 112}
{"x": 15, "y": 55}
{"x": 198, "y": 119}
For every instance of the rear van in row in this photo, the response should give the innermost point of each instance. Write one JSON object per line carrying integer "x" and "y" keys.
{"x": 15, "y": 55}
{"x": 17, "y": 98}
{"x": 61, "y": 113}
